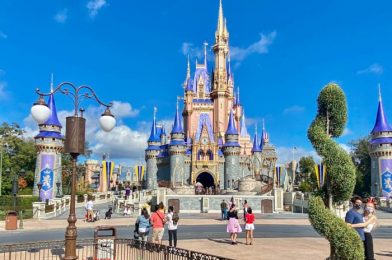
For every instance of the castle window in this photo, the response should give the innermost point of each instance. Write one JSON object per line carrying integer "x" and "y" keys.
{"x": 210, "y": 155}
{"x": 199, "y": 155}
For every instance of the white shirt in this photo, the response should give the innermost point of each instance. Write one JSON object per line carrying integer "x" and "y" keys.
{"x": 170, "y": 224}
{"x": 89, "y": 205}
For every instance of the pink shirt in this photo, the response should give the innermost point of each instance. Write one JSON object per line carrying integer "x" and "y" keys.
{"x": 157, "y": 219}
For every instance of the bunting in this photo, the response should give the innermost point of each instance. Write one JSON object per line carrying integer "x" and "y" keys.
{"x": 321, "y": 173}
{"x": 139, "y": 172}
{"x": 107, "y": 172}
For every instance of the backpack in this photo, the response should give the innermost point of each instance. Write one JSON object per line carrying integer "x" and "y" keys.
{"x": 175, "y": 218}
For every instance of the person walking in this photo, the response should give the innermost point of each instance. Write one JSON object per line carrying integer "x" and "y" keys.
{"x": 249, "y": 226}
{"x": 223, "y": 206}
{"x": 143, "y": 225}
{"x": 90, "y": 211}
{"x": 369, "y": 216}
{"x": 158, "y": 221}
{"x": 172, "y": 222}
{"x": 233, "y": 227}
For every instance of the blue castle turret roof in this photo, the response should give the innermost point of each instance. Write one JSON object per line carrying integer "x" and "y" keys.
{"x": 381, "y": 124}
{"x": 231, "y": 130}
{"x": 53, "y": 119}
{"x": 256, "y": 147}
{"x": 153, "y": 134}
{"x": 177, "y": 127}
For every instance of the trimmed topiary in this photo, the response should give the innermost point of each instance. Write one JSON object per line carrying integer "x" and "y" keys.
{"x": 340, "y": 181}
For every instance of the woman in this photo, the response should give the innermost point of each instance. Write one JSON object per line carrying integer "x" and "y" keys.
{"x": 143, "y": 223}
{"x": 233, "y": 227}
{"x": 172, "y": 227}
{"x": 249, "y": 226}
{"x": 370, "y": 220}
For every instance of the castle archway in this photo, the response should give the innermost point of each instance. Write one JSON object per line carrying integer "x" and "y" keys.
{"x": 206, "y": 179}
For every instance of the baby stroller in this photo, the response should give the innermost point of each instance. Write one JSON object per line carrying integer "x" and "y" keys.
{"x": 97, "y": 215}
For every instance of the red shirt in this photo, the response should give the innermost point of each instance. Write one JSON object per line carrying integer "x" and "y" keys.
{"x": 250, "y": 218}
{"x": 157, "y": 219}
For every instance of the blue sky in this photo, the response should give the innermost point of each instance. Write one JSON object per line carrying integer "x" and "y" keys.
{"x": 134, "y": 52}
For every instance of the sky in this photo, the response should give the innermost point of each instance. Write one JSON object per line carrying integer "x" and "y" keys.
{"x": 134, "y": 53}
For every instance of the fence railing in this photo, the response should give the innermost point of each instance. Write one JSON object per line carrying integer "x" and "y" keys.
{"x": 90, "y": 249}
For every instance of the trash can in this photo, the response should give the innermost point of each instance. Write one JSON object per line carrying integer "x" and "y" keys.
{"x": 104, "y": 241}
{"x": 11, "y": 220}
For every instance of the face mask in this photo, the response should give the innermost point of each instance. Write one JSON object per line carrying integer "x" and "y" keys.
{"x": 370, "y": 210}
{"x": 356, "y": 206}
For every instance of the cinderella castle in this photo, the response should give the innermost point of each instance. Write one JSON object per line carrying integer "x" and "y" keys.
{"x": 209, "y": 143}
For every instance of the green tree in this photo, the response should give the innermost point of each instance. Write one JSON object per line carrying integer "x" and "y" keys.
{"x": 330, "y": 122}
{"x": 361, "y": 159}
{"x": 19, "y": 153}
{"x": 307, "y": 172}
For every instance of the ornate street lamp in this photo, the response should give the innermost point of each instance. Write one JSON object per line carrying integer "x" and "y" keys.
{"x": 39, "y": 186}
{"x": 74, "y": 143}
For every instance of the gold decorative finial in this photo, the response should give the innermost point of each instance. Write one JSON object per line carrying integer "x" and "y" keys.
{"x": 379, "y": 92}
{"x": 51, "y": 83}
{"x": 155, "y": 112}
{"x": 220, "y": 28}
{"x": 205, "y": 53}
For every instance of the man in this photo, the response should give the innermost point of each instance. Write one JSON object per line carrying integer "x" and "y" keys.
{"x": 158, "y": 221}
{"x": 89, "y": 208}
{"x": 224, "y": 209}
{"x": 354, "y": 217}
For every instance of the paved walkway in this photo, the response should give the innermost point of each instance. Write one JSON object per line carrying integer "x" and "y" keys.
{"x": 276, "y": 248}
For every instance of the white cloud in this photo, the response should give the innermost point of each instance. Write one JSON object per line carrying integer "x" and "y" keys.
{"x": 3, "y": 92}
{"x": 61, "y": 16}
{"x": 285, "y": 154}
{"x": 296, "y": 109}
{"x": 375, "y": 68}
{"x": 3, "y": 35}
{"x": 121, "y": 142}
{"x": 94, "y": 6}
{"x": 346, "y": 147}
{"x": 259, "y": 47}
{"x": 121, "y": 109}
{"x": 195, "y": 52}
{"x": 347, "y": 132}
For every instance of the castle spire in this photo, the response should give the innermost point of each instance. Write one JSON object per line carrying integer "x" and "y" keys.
{"x": 220, "y": 27}
{"x": 244, "y": 131}
{"x": 53, "y": 119}
{"x": 256, "y": 146}
{"x": 177, "y": 127}
{"x": 381, "y": 124}
{"x": 231, "y": 130}
{"x": 188, "y": 69}
{"x": 51, "y": 83}
{"x": 153, "y": 134}
{"x": 205, "y": 54}
{"x": 264, "y": 136}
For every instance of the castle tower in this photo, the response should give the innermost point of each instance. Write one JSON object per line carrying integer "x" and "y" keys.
{"x": 256, "y": 152}
{"x": 49, "y": 144}
{"x": 177, "y": 149}
{"x": 231, "y": 151}
{"x": 381, "y": 154}
{"x": 151, "y": 153}
{"x": 220, "y": 91}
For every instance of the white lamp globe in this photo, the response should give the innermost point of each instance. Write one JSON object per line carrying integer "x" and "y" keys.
{"x": 40, "y": 111}
{"x": 107, "y": 121}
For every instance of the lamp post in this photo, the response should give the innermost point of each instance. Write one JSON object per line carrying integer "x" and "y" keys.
{"x": 376, "y": 189}
{"x": 15, "y": 188}
{"x": 39, "y": 186}
{"x": 74, "y": 142}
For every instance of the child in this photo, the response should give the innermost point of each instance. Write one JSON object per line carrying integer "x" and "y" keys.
{"x": 249, "y": 226}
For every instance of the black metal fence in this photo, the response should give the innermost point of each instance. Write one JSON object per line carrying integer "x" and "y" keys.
{"x": 106, "y": 249}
